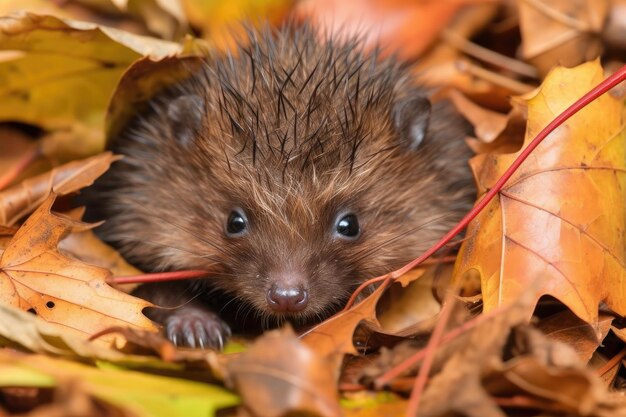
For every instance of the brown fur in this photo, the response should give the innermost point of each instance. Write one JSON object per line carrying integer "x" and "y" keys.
{"x": 293, "y": 131}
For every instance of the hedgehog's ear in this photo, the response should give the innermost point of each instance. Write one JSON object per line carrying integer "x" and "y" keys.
{"x": 411, "y": 116}
{"x": 185, "y": 114}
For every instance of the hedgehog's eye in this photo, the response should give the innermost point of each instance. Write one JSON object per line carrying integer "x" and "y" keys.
{"x": 236, "y": 225}
{"x": 347, "y": 226}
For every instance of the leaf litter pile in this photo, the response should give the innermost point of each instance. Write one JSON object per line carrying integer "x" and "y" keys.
{"x": 521, "y": 315}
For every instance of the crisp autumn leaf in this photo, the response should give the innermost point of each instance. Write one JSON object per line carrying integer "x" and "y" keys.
{"x": 560, "y": 219}
{"x": 561, "y": 32}
{"x": 574, "y": 389}
{"x": 34, "y": 275}
{"x": 142, "y": 394}
{"x": 334, "y": 337}
{"x": 568, "y": 329}
{"x": 495, "y": 132}
{"x": 21, "y": 199}
{"x": 59, "y": 74}
{"x": 280, "y": 375}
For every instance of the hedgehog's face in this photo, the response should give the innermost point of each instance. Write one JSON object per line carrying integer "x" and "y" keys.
{"x": 295, "y": 260}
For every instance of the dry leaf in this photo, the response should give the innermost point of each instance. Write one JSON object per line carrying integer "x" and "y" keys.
{"x": 279, "y": 375}
{"x": 573, "y": 391}
{"x": 334, "y": 336}
{"x": 21, "y": 199}
{"x": 458, "y": 387}
{"x": 568, "y": 329}
{"x": 563, "y": 32}
{"x": 560, "y": 218}
{"x": 402, "y": 308}
{"x": 35, "y": 275}
{"x": 59, "y": 75}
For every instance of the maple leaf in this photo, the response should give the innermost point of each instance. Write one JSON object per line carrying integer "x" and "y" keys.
{"x": 560, "y": 219}
{"x": 34, "y": 275}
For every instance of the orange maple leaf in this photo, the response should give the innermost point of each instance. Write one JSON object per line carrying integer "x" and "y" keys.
{"x": 560, "y": 219}
{"x": 35, "y": 276}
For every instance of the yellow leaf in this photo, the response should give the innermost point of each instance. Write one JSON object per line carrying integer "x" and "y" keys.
{"x": 59, "y": 74}
{"x": 560, "y": 218}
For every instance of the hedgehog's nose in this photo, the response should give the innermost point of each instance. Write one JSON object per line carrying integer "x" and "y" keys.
{"x": 283, "y": 299}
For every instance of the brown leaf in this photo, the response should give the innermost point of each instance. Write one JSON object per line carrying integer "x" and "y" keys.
{"x": 571, "y": 391}
{"x": 71, "y": 294}
{"x": 279, "y": 375}
{"x": 142, "y": 342}
{"x": 560, "y": 218}
{"x": 457, "y": 388}
{"x": 561, "y": 32}
{"x": 495, "y": 132}
{"x": 568, "y": 329}
{"x": 18, "y": 201}
{"x": 334, "y": 336}
{"x": 411, "y": 308}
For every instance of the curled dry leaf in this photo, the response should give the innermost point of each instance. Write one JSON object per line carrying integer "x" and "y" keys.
{"x": 279, "y": 375}
{"x": 560, "y": 218}
{"x": 568, "y": 329}
{"x": 457, "y": 389}
{"x": 567, "y": 390}
{"x": 561, "y": 32}
{"x": 21, "y": 199}
{"x": 59, "y": 74}
{"x": 34, "y": 275}
{"x": 495, "y": 132}
{"x": 334, "y": 337}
